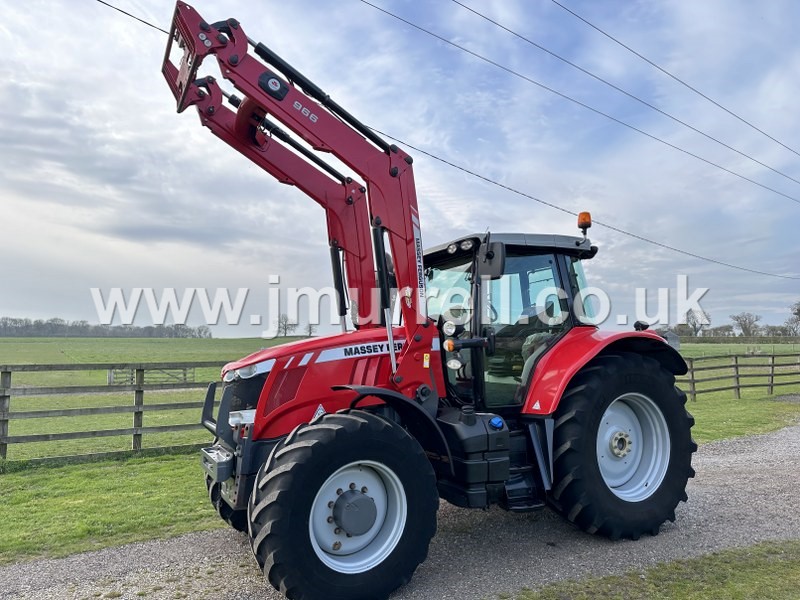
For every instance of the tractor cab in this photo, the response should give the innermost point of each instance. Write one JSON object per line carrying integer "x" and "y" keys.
{"x": 502, "y": 301}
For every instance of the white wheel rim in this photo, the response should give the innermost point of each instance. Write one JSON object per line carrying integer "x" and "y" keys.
{"x": 633, "y": 447}
{"x": 358, "y": 553}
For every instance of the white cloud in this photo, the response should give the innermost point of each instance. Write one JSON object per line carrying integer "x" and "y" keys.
{"x": 102, "y": 184}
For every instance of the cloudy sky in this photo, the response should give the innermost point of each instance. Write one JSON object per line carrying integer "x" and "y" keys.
{"x": 103, "y": 185}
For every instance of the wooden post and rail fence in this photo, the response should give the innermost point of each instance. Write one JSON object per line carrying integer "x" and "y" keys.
{"x": 707, "y": 374}
{"x": 120, "y": 377}
{"x": 738, "y": 372}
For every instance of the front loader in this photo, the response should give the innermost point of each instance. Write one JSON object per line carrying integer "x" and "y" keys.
{"x": 493, "y": 388}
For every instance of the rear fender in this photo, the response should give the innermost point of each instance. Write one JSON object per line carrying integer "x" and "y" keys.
{"x": 580, "y": 345}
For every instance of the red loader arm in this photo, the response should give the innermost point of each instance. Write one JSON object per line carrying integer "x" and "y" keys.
{"x": 386, "y": 204}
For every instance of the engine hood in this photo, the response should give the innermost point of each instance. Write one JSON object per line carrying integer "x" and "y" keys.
{"x": 367, "y": 341}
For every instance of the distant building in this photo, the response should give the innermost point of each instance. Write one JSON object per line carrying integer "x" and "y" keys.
{"x": 672, "y": 339}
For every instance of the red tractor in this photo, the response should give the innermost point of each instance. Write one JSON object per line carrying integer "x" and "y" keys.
{"x": 333, "y": 453}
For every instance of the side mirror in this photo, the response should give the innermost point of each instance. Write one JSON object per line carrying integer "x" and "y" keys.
{"x": 491, "y": 260}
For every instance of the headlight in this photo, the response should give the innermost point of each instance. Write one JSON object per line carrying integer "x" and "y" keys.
{"x": 451, "y": 249}
{"x": 265, "y": 366}
{"x": 467, "y": 244}
{"x": 448, "y": 328}
{"x": 246, "y": 372}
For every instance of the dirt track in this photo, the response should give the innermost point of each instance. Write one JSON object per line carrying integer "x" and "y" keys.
{"x": 746, "y": 490}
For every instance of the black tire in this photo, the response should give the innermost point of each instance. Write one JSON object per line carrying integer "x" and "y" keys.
{"x": 235, "y": 518}
{"x": 251, "y": 503}
{"x": 594, "y": 497}
{"x": 298, "y": 478}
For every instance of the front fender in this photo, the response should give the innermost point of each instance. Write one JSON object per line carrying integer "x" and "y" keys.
{"x": 580, "y": 345}
{"x": 418, "y": 421}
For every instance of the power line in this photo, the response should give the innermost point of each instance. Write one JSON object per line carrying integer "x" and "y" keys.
{"x": 569, "y": 212}
{"x": 578, "y": 102}
{"x": 676, "y": 78}
{"x": 539, "y": 200}
{"x": 622, "y": 91}
{"x": 133, "y": 17}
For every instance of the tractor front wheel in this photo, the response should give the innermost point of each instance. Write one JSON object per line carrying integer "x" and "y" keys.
{"x": 622, "y": 447}
{"x": 344, "y": 508}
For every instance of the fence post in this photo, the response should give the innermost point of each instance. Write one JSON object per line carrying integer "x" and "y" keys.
{"x": 737, "y": 391}
{"x": 771, "y": 388}
{"x": 5, "y": 407}
{"x": 138, "y": 402}
{"x": 692, "y": 385}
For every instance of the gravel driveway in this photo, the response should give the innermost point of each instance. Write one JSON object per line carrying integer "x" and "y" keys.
{"x": 746, "y": 490}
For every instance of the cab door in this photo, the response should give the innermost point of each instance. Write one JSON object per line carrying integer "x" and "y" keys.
{"x": 527, "y": 308}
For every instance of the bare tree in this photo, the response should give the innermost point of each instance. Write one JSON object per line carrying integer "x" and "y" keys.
{"x": 698, "y": 320}
{"x": 284, "y": 325}
{"x": 747, "y": 323}
{"x": 775, "y": 330}
{"x": 792, "y": 324}
{"x": 720, "y": 331}
{"x": 310, "y": 329}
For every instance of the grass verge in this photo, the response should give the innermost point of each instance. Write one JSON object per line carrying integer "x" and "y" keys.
{"x": 56, "y": 511}
{"x": 720, "y": 416}
{"x": 766, "y": 570}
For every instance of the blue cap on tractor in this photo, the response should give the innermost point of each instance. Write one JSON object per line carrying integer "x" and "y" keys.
{"x": 496, "y": 423}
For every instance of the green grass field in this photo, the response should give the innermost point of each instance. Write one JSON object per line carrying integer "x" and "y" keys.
{"x": 16, "y": 351}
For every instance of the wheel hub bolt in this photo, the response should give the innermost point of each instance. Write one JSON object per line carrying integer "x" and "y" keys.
{"x": 337, "y": 545}
{"x": 352, "y": 486}
{"x": 330, "y": 519}
{"x": 364, "y": 490}
{"x": 338, "y": 530}
{"x": 339, "y": 492}
{"x": 621, "y": 444}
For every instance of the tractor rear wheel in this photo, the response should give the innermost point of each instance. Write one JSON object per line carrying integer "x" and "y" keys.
{"x": 344, "y": 508}
{"x": 622, "y": 447}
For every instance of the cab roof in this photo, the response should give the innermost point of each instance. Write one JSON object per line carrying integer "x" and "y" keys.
{"x": 562, "y": 244}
